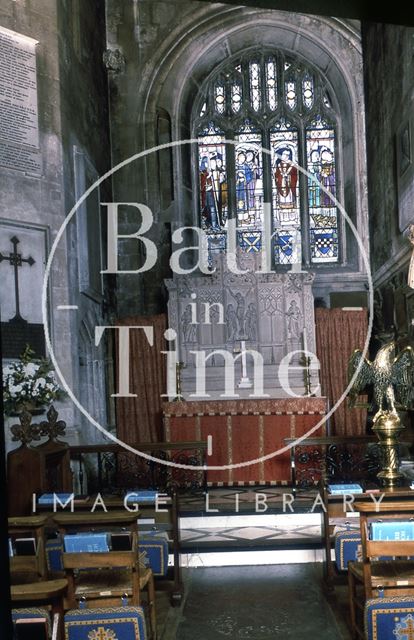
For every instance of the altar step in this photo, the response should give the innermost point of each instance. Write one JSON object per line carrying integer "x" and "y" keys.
{"x": 234, "y": 558}
{"x": 260, "y": 534}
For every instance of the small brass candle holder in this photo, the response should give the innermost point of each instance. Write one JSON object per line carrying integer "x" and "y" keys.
{"x": 178, "y": 367}
{"x": 305, "y": 363}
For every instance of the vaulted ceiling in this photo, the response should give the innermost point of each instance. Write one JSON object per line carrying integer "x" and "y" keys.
{"x": 353, "y": 9}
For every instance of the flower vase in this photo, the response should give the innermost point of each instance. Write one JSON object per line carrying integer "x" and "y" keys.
{"x": 30, "y": 408}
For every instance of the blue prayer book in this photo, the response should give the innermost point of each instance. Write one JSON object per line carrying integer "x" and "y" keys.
{"x": 86, "y": 542}
{"x": 50, "y": 498}
{"x": 340, "y": 489}
{"x": 395, "y": 531}
{"x": 142, "y": 496}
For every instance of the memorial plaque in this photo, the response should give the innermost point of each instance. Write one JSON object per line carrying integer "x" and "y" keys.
{"x": 16, "y": 335}
{"x": 19, "y": 127}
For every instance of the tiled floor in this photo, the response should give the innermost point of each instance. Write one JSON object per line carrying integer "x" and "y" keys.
{"x": 264, "y": 593}
{"x": 245, "y": 535}
{"x": 251, "y": 517}
{"x": 255, "y": 603}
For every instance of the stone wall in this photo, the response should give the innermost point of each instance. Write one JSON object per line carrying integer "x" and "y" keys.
{"x": 389, "y": 95}
{"x": 169, "y": 49}
{"x": 72, "y": 106}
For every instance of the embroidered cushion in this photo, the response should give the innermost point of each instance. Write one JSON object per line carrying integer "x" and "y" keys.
{"x": 347, "y": 548}
{"x": 115, "y": 623}
{"x": 155, "y": 547}
{"x": 54, "y": 554}
{"x": 389, "y": 618}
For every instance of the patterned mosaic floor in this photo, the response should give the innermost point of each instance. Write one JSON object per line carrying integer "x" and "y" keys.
{"x": 233, "y": 519}
{"x": 251, "y": 536}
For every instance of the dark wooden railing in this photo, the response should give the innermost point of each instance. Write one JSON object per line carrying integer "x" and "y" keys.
{"x": 336, "y": 459}
{"x": 111, "y": 467}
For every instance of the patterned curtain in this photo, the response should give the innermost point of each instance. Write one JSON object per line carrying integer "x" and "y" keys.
{"x": 338, "y": 333}
{"x": 140, "y": 419}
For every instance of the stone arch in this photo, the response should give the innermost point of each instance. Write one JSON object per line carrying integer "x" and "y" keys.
{"x": 172, "y": 78}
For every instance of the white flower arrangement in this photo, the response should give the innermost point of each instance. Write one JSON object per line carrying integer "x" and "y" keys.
{"x": 29, "y": 384}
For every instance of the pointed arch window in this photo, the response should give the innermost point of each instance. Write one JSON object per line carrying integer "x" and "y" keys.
{"x": 267, "y": 128}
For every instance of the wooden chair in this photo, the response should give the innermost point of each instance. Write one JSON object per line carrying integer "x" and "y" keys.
{"x": 333, "y": 515}
{"x": 29, "y": 567}
{"x": 48, "y": 594}
{"x": 30, "y": 584}
{"x": 373, "y": 576}
{"x": 30, "y": 618}
{"x": 105, "y": 579}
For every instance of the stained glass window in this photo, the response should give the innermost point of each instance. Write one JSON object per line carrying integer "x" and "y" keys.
{"x": 307, "y": 91}
{"x": 285, "y": 175}
{"x": 220, "y": 98}
{"x": 255, "y": 86}
{"x": 291, "y": 95}
{"x": 285, "y": 190}
{"x": 212, "y": 178}
{"x": 323, "y": 217}
{"x": 264, "y": 106}
{"x": 236, "y": 97}
{"x": 288, "y": 247}
{"x": 271, "y": 84}
{"x": 250, "y": 241}
{"x": 249, "y": 176}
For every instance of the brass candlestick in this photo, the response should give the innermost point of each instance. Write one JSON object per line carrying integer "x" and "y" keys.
{"x": 388, "y": 426}
{"x": 179, "y": 397}
{"x": 305, "y": 362}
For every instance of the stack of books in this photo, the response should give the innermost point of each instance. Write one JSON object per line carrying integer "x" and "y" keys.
{"x": 58, "y": 499}
{"x": 392, "y": 530}
{"x": 143, "y": 496}
{"x": 47, "y": 499}
{"x": 341, "y": 489}
{"x": 86, "y": 542}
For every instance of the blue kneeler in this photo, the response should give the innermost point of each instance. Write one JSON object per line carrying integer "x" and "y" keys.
{"x": 114, "y": 623}
{"x": 347, "y": 548}
{"x": 390, "y": 618}
{"x": 54, "y": 555}
{"x": 155, "y": 546}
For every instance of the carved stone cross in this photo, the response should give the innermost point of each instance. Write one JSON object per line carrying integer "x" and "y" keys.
{"x": 15, "y": 259}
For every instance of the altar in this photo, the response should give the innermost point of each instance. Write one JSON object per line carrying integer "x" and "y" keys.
{"x": 243, "y": 430}
{"x": 247, "y": 373}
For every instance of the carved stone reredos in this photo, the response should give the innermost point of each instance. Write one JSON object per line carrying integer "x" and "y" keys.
{"x": 269, "y": 311}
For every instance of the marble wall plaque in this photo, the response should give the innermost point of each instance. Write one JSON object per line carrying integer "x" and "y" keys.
{"x": 19, "y": 127}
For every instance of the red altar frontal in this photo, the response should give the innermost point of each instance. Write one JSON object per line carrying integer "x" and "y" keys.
{"x": 244, "y": 430}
